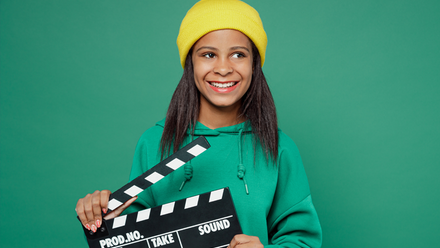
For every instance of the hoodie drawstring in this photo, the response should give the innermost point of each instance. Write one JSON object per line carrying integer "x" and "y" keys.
{"x": 188, "y": 170}
{"x": 188, "y": 174}
{"x": 241, "y": 169}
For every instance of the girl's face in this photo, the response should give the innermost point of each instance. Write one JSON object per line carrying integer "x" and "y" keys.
{"x": 222, "y": 63}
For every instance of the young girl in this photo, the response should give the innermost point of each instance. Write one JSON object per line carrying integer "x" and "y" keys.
{"x": 223, "y": 95}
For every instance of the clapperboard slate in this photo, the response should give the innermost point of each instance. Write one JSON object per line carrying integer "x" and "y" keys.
{"x": 206, "y": 220}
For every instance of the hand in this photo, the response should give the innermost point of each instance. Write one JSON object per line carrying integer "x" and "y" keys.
{"x": 245, "y": 241}
{"x": 89, "y": 209}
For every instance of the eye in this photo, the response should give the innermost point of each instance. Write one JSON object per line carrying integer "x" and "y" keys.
{"x": 238, "y": 55}
{"x": 209, "y": 55}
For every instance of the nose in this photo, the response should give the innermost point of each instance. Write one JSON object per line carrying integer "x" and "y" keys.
{"x": 223, "y": 67}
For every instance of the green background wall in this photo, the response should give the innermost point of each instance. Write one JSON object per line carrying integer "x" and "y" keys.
{"x": 356, "y": 84}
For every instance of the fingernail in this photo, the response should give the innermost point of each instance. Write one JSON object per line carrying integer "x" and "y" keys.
{"x": 88, "y": 227}
{"x": 94, "y": 228}
{"x": 98, "y": 223}
{"x": 104, "y": 210}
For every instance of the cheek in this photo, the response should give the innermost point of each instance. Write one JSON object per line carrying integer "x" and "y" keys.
{"x": 245, "y": 69}
{"x": 248, "y": 79}
{"x": 246, "y": 73}
{"x": 198, "y": 83}
{"x": 197, "y": 74}
{"x": 247, "y": 86}
{"x": 199, "y": 77}
{"x": 200, "y": 72}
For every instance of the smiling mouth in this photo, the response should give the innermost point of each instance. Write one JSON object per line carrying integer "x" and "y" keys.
{"x": 222, "y": 85}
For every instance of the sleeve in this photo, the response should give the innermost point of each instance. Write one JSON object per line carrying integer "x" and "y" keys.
{"x": 292, "y": 219}
{"x": 139, "y": 166}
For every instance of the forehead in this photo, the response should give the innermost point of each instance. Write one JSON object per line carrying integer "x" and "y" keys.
{"x": 224, "y": 38}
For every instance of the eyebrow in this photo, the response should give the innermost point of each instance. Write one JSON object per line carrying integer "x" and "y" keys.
{"x": 207, "y": 47}
{"x": 215, "y": 49}
{"x": 240, "y": 47}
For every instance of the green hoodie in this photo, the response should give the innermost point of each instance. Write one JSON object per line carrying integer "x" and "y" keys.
{"x": 278, "y": 208}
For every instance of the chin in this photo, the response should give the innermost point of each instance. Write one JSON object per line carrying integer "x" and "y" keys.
{"x": 223, "y": 104}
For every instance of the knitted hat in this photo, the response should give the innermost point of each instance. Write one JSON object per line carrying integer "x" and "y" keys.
{"x": 209, "y": 15}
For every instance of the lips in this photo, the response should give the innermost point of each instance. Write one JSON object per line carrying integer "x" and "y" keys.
{"x": 223, "y": 87}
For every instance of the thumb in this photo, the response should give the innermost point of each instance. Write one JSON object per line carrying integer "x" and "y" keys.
{"x": 120, "y": 209}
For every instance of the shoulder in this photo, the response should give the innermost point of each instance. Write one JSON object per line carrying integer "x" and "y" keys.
{"x": 286, "y": 145}
{"x": 153, "y": 134}
{"x": 149, "y": 142}
{"x": 147, "y": 148}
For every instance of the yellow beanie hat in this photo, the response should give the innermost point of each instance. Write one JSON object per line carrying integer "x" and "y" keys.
{"x": 209, "y": 15}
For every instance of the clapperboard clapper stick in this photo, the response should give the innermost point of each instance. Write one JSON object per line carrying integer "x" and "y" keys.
{"x": 205, "y": 220}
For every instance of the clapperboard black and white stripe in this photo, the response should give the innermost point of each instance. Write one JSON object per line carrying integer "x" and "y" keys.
{"x": 158, "y": 172}
{"x": 206, "y": 220}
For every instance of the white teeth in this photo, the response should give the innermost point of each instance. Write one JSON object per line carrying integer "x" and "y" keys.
{"x": 226, "y": 85}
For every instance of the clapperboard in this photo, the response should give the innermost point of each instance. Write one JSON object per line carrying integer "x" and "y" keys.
{"x": 205, "y": 220}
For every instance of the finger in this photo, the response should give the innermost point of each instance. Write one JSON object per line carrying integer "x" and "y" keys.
{"x": 245, "y": 241}
{"x": 249, "y": 245}
{"x": 81, "y": 213}
{"x": 234, "y": 242}
{"x": 96, "y": 206}
{"x": 120, "y": 209}
{"x": 105, "y": 194}
{"x": 88, "y": 209}
{"x": 238, "y": 240}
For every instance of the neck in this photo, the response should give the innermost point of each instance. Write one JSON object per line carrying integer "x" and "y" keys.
{"x": 216, "y": 117}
